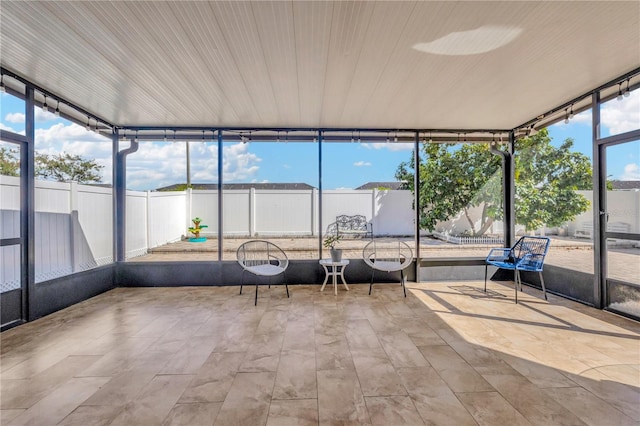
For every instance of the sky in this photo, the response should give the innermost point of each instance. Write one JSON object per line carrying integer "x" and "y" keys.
{"x": 345, "y": 165}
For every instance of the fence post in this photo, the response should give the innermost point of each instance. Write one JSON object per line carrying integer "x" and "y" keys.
{"x": 252, "y": 212}
{"x": 148, "y": 233}
{"x": 314, "y": 212}
{"x": 74, "y": 224}
{"x": 188, "y": 207}
{"x": 374, "y": 208}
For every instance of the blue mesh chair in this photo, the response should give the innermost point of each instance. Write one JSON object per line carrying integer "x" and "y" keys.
{"x": 526, "y": 255}
{"x": 262, "y": 258}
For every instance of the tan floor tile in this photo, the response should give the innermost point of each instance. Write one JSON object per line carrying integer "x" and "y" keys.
{"x": 248, "y": 400}
{"x": 300, "y": 412}
{"x": 214, "y": 379}
{"x": 296, "y": 375}
{"x": 377, "y": 376}
{"x": 555, "y": 362}
{"x": 589, "y": 408}
{"x": 91, "y": 416}
{"x": 455, "y": 371}
{"x": 60, "y": 402}
{"x": 194, "y": 414}
{"x": 434, "y": 400}
{"x": 332, "y": 353}
{"x": 401, "y": 351}
{"x": 535, "y": 405}
{"x": 155, "y": 401}
{"x": 121, "y": 389}
{"x": 490, "y": 408}
{"x": 340, "y": 399}
{"x": 7, "y": 415}
{"x": 25, "y": 393}
{"x": 392, "y": 410}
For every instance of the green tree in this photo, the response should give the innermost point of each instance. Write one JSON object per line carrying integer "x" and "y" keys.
{"x": 9, "y": 162}
{"x": 456, "y": 178}
{"x": 67, "y": 167}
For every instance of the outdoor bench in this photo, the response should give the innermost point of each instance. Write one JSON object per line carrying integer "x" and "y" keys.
{"x": 355, "y": 226}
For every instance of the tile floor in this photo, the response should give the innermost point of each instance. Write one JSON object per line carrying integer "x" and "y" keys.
{"x": 448, "y": 354}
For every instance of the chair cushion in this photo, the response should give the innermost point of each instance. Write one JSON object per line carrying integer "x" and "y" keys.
{"x": 266, "y": 269}
{"x": 386, "y": 265}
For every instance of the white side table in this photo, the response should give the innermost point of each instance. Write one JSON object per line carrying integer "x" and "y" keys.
{"x": 335, "y": 269}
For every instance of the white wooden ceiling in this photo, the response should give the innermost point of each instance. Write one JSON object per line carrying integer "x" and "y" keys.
{"x": 319, "y": 64}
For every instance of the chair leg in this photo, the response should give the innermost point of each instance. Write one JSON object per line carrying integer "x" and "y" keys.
{"x": 404, "y": 289}
{"x": 485, "y": 277}
{"x": 285, "y": 284}
{"x": 371, "y": 284}
{"x": 544, "y": 290}
{"x": 241, "y": 280}
{"x": 255, "y": 303}
{"x": 517, "y": 274}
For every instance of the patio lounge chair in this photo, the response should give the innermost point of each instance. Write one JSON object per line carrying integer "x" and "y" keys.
{"x": 387, "y": 255}
{"x": 262, "y": 258}
{"x": 527, "y": 254}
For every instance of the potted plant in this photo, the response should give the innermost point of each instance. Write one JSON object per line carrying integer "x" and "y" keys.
{"x": 330, "y": 242}
{"x": 195, "y": 230}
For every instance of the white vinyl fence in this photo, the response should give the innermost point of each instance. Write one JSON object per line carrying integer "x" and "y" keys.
{"x": 74, "y": 224}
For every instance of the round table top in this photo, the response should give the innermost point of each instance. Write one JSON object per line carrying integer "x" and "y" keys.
{"x": 330, "y": 262}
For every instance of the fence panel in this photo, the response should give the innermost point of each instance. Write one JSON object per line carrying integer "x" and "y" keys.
{"x": 95, "y": 216}
{"x": 167, "y": 217}
{"x": 237, "y": 214}
{"x": 136, "y": 224}
{"x": 283, "y": 212}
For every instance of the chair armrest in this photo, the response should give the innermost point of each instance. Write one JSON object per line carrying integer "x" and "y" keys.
{"x": 498, "y": 254}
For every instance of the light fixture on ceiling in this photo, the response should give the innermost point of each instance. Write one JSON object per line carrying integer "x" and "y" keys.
{"x": 566, "y": 116}
{"x": 45, "y": 107}
{"x": 395, "y": 138}
{"x": 97, "y": 128}
{"x": 619, "y": 97}
{"x": 430, "y": 138}
{"x": 387, "y": 137}
{"x": 136, "y": 139}
{"x": 243, "y": 139}
{"x": 359, "y": 140}
{"x": 571, "y": 112}
{"x": 88, "y": 127}
{"x": 532, "y": 131}
{"x": 57, "y": 111}
{"x": 627, "y": 92}
{"x": 165, "y": 135}
{"x": 249, "y": 139}
{"x": 2, "y": 88}
{"x": 124, "y": 136}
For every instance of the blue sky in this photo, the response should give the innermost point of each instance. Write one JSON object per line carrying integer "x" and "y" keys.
{"x": 345, "y": 165}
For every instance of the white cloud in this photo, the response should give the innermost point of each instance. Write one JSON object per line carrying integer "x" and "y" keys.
{"x": 361, "y": 163}
{"x": 390, "y": 146}
{"x": 14, "y": 117}
{"x": 40, "y": 116}
{"x": 9, "y": 129}
{"x": 631, "y": 172}
{"x": 622, "y": 116}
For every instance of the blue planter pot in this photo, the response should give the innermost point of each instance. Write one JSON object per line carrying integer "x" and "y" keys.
{"x": 198, "y": 240}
